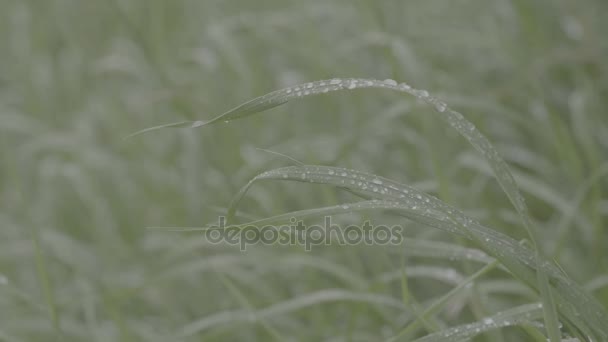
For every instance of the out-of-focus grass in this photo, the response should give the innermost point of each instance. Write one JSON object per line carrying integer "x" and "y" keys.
{"x": 76, "y": 262}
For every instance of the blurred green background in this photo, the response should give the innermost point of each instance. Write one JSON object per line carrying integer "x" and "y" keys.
{"x": 76, "y": 260}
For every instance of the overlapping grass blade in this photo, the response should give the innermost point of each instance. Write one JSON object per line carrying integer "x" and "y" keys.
{"x": 575, "y": 305}
{"x": 455, "y": 119}
{"x": 524, "y": 314}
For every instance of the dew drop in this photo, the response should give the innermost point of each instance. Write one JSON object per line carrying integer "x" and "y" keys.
{"x": 440, "y": 106}
{"x": 488, "y": 321}
{"x": 285, "y": 176}
{"x": 405, "y": 86}
{"x": 344, "y": 206}
{"x": 3, "y": 280}
{"x": 331, "y": 172}
{"x": 352, "y": 85}
{"x": 344, "y": 174}
{"x": 335, "y": 81}
{"x": 390, "y": 82}
{"x": 377, "y": 181}
{"x": 423, "y": 93}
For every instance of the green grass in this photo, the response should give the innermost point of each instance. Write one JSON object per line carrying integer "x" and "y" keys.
{"x": 504, "y": 231}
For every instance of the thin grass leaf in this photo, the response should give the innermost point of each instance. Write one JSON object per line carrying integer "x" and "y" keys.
{"x": 520, "y": 315}
{"x": 181, "y": 124}
{"x": 577, "y": 306}
{"x": 455, "y": 119}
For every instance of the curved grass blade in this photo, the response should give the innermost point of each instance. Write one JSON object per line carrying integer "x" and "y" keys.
{"x": 455, "y": 119}
{"x": 520, "y": 315}
{"x": 181, "y": 124}
{"x": 578, "y": 307}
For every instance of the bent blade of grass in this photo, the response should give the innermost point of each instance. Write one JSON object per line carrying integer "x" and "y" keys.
{"x": 520, "y": 315}
{"x": 181, "y": 124}
{"x": 577, "y": 306}
{"x": 455, "y": 119}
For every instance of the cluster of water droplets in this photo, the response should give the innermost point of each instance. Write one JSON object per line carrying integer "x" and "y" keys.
{"x": 393, "y": 195}
{"x": 397, "y": 196}
{"x": 404, "y": 198}
{"x": 524, "y": 314}
{"x": 325, "y": 86}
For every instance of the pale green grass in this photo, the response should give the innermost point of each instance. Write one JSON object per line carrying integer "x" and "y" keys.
{"x": 78, "y": 264}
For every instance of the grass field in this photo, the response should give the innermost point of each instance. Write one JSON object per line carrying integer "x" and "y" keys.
{"x": 492, "y": 158}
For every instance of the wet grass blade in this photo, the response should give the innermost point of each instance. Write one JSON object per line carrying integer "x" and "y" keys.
{"x": 575, "y": 305}
{"x": 520, "y": 315}
{"x": 455, "y": 119}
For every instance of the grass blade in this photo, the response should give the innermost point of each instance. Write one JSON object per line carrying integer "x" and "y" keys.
{"x": 577, "y": 306}
{"x": 516, "y": 316}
